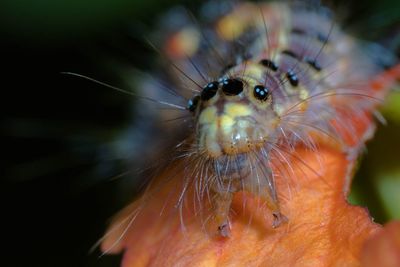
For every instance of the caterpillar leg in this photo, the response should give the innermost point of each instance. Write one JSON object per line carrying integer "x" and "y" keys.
{"x": 222, "y": 203}
{"x": 264, "y": 189}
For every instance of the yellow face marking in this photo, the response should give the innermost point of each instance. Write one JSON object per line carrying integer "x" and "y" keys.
{"x": 254, "y": 70}
{"x": 211, "y": 139}
{"x": 236, "y": 110}
{"x": 279, "y": 109}
{"x": 217, "y": 128}
{"x": 226, "y": 123}
{"x": 208, "y": 115}
{"x": 303, "y": 94}
{"x": 209, "y": 122}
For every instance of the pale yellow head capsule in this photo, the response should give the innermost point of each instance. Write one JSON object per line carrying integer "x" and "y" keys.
{"x": 233, "y": 116}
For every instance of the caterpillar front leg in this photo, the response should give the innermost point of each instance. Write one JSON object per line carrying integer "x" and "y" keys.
{"x": 222, "y": 203}
{"x": 263, "y": 187}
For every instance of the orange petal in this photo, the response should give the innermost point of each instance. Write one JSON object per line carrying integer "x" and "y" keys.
{"x": 323, "y": 229}
{"x": 383, "y": 249}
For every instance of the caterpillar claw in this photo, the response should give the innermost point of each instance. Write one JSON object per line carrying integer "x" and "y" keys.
{"x": 279, "y": 219}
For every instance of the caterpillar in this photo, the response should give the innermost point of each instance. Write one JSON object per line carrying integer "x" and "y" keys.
{"x": 251, "y": 85}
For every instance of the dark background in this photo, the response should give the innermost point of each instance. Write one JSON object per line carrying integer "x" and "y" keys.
{"x": 57, "y": 191}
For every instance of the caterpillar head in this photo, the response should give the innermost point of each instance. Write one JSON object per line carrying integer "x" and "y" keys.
{"x": 233, "y": 115}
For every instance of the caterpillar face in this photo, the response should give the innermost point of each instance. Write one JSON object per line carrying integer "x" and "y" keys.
{"x": 234, "y": 114}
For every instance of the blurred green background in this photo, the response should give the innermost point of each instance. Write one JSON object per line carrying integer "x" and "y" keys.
{"x": 58, "y": 132}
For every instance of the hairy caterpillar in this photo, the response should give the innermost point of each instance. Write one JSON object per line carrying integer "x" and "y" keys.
{"x": 261, "y": 80}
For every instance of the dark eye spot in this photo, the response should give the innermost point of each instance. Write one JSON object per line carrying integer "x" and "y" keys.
{"x": 298, "y": 31}
{"x": 269, "y": 64}
{"x": 314, "y": 64}
{"x": 290, "y": 53}
{"x": 192, "y": 103}
{"x": 209, "y": 91}
{"x": 292, "y": 77}
{"x": 261, "y": 92}
{"x": 232, "y": 86}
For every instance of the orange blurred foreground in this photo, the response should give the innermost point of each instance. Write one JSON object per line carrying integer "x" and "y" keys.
{"x": 323, "y": 229}
{"x": 383, "y": 248}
